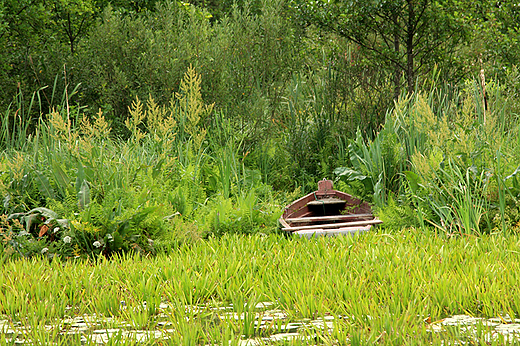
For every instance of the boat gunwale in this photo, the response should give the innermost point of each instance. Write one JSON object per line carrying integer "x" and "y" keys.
{"x": 374, "y": 221}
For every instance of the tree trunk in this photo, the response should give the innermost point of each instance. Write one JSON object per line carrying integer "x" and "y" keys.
{"x": 410, "y": 75}
{"x": 397, "y": 70}
{"x": 70, "y": 33}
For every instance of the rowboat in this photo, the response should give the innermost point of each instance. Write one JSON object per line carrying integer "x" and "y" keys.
{"x": 327, "y": 212}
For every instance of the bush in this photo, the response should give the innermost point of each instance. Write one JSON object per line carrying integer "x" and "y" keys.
{"x": 245, "y": 61}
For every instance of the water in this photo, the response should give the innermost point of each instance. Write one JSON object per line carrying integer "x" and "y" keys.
{"x": 270, "y": 325}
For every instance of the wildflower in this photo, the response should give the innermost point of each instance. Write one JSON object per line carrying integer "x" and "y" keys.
{"x": 67, "y": 239}
{"x": 109, "y": 237}
{"x": 56, "y": 229}
{"x": 97, "y": 244}
{"x": 44, "y": 250}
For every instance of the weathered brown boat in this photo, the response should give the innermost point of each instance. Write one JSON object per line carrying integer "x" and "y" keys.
{"x": 327, "y": 212}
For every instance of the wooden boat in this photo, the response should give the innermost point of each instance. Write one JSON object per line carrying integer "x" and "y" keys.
{"x": 327, "y": 212}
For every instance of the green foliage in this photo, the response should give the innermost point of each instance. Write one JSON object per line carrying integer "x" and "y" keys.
{"x": 268, "y": 100}
{"x": 244, "y": 214}
{"x": 402, "y": 37}
{"x": 74, "y": 17}
{"x": 457, "y": 154}
{"x": 376, "y": 164}
{"x": 456, "y": 198}
{"x": 318, "y": 128}
{"x": 494, "y": 39}
{"x": 220, "y": 9}
{"x": 245, "y": 61}
{"x": 223, "y": 279}
{"x": 136, "y": 195}
{"x": 397, "y": 214}
{"x": 15, "y": 123}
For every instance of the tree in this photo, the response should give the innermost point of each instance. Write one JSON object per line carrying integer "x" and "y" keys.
{"x": 73, "y": 18}
{"x": 496, "y": 31}
{"x": 404, "y": 37}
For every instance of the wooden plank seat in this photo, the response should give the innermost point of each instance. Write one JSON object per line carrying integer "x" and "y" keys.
{"x": 329, "y": 218}
{"x": 327, "y": 201}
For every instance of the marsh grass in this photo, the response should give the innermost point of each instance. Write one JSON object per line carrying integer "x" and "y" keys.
{"x": 15, "y": 123}
{"x": 378, "y": 286}
{"x": 150, "y": 192}
{"x": 445, "y": 158}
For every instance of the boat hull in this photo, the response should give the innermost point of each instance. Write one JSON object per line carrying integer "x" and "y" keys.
{"x": 327, "y": 212}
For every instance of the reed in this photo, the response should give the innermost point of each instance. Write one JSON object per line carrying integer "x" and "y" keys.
{"x": 15, "y": 122}
{"x": 394, "y": 282}
{"x": 444, "y": 157}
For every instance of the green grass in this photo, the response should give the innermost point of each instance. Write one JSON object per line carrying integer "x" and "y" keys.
{"x": 383, "y": 285}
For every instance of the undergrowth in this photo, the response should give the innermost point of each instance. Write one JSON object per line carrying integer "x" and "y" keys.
{"x": 76, "y": 191}
{"x": 446, "y": 159}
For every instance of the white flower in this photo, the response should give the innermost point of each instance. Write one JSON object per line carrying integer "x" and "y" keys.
{"x": 97, "y": 244}
{"x": 56, "y": 229}
{"x": 67, "y": 239}
{"x": 44, "y": 250}
{"x": 109, "y": 237}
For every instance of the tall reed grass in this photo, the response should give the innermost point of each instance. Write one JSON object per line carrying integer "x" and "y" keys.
{"x": 74, "y": 181}
{"x": 447, "y": 159}
{"x": 379, "y": 287}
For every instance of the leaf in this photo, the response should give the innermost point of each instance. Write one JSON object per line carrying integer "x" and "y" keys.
{"x": 516, "y": 183}
{"x": 43, "y": 230}
{"x": 157, "y": 169}
{"x": 15, "y": 216}
{"x": 341, "y": 171}
{"x": 62, "y": 179}
{"x": 47, "y": 213}
{"x": 80, "y": 177}
{"x": 517, "y": 170}
{"x": 413, "y": 179}
{"x": 349, "y": 174}
{"x": 84, "y": 195}
{"x": 6, "y": 201}
{"x": 29, "y": 220}
{"x": 63, "y": 223}
{"x": 44, "y": 185}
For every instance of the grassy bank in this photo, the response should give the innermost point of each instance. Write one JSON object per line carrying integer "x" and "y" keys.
{"x": 379, "y": 286}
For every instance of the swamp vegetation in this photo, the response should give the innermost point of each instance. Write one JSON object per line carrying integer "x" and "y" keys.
{"x": 148, "y": 149}
{"x": 376, "y": 288}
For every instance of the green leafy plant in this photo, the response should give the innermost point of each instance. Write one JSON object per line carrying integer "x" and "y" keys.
{"x": 376, "y": 164}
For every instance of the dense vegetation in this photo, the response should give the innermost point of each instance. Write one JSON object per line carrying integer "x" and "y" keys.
{"x": 148, "y": 148}
{"x": 144, "y": 125}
